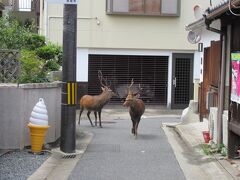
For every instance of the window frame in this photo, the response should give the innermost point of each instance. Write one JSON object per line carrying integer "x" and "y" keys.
{"x": 109, "y": 10}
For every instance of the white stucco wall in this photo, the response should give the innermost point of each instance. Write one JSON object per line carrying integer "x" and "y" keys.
{"x": 119, "y": 31}
{"x": 82, "y": 65}
{"x": 99, "y": 33}
{"x": 206, "y": 38}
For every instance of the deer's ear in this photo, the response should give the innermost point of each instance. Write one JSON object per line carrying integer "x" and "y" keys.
{"x": 102, "y": 88}
{"x": 137, "y": 95}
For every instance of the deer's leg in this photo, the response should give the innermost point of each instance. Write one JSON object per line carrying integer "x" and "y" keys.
{"x": 99, "y": 117}
{"x": 133, "y": 127}
{"x": 95, "y": 114}
{"x": 80, "y": 115}
{"x": 136, "y": 127}
{"x": 88, "y": 113}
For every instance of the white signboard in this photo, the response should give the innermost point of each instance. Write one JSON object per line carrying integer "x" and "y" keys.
{"x": 63, "y": 1}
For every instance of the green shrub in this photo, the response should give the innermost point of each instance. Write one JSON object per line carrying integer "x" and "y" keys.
{"x": 213, "y": 148}
{"x": 31, "y": 68}
{"x": 35, "y": 41}
{"x": 51, "y": 66}
{"x": 206, "y": 148}
{"x": 37, "y": 58}
{"x": 12, "y": 34}
{"x": 52, "y": 55}
{"x": 50, "y": 52}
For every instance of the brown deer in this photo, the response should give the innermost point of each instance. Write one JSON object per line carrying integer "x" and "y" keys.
{"x": 136, "y": 108}
{"x": 96, "y": 103}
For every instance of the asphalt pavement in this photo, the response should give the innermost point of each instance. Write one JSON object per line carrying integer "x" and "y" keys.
{"x": 114, "y": 153}
{"x": 159, "y": 152}
{"x": 164, "y": 150}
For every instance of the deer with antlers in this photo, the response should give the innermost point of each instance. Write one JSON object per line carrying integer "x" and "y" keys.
{"x": 136, "y": 107}
{"x": 96, "y": 103}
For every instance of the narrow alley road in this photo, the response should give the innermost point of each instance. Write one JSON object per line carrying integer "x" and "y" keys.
{"x": 114, "y": 154}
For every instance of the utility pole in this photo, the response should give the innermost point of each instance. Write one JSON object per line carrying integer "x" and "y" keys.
{"x": 68, "y": 113}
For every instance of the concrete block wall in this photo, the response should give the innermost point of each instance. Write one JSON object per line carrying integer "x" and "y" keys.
{"x": 16, "y": 104}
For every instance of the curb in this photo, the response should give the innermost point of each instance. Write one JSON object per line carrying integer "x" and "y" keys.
{"x": 217, "y": 166}
{"x": 60, "y": 165}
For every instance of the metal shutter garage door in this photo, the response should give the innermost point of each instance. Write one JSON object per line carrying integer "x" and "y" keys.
{"x": 151, "y": 72}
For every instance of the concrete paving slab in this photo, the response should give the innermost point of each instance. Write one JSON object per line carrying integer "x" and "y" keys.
{"x": 192, "y": 133}
{"x": 59, "y": 165}
{"x": 212, "y": 166}
{"x": 194, "y": 164}
{"x": 185, "y": 156}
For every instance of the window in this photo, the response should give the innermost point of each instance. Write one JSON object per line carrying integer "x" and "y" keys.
{"x": 25, "y": 5}
{"x": 144, "y": 7}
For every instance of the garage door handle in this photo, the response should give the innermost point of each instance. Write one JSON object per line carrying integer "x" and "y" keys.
{"x": 175, "y": 82}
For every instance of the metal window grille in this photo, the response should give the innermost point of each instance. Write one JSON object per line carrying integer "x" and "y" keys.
{"x": 151, "y": 72}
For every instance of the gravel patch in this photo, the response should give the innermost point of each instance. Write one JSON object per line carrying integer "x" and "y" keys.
{"x": 20, "y": 164}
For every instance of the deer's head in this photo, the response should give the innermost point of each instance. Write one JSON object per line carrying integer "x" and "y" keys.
{"x": 105, "y": 86}
{"x": 132, "y": 96}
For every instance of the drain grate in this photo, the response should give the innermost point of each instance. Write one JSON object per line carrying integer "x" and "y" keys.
{"x": 71, "y": 156}
{"x": 64, "y": 155}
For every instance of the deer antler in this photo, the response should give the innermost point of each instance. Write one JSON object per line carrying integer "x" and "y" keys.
{"x": 103, "y": 81}
{"x": 130, "y": 85}
{"x": 140, "y": 89}
{"x": 100, "y": 77}
{"x": 106, "y": 82}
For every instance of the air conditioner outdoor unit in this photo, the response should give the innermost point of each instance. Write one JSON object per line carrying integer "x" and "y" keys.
{"x": 213, "y": 123}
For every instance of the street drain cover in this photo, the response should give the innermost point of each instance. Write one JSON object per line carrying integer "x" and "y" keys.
{"x": 68, "y": 156}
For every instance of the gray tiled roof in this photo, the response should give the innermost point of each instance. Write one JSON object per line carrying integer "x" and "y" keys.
{"x": 211, "y": 13}
{"x": 213, "y": 8}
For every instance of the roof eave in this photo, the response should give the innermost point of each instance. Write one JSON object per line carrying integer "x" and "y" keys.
{"x": 195, "y": 25}
{"x": 215, "y": 14}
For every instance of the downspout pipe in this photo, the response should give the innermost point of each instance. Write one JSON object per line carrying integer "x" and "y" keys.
{"x": 208, "y": 22}
{"x": 222, "y": 80}
{"x": 222, "y": 90}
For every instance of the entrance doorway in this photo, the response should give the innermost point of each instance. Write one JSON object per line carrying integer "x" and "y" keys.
{"x": 182, "y": 82}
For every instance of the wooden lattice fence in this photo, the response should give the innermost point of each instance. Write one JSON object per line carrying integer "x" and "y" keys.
{"x": 9, "y": 66}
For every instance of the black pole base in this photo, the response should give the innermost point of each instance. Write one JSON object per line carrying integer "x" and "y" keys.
{"x": 68, "y": 129}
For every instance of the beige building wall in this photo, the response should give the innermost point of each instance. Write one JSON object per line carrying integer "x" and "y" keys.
{"x": 99, "y": 33}
{"x": 96, "y": 29}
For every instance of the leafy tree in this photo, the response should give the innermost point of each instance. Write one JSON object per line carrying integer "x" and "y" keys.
{"x": 31, "y": 68}
{"x": 34, "y": 41}
{"x": 15, "y": 36}
{"x": 50, "y": 52}
{"x": 37, "y": 58}
{"x": 12, "y": 35}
